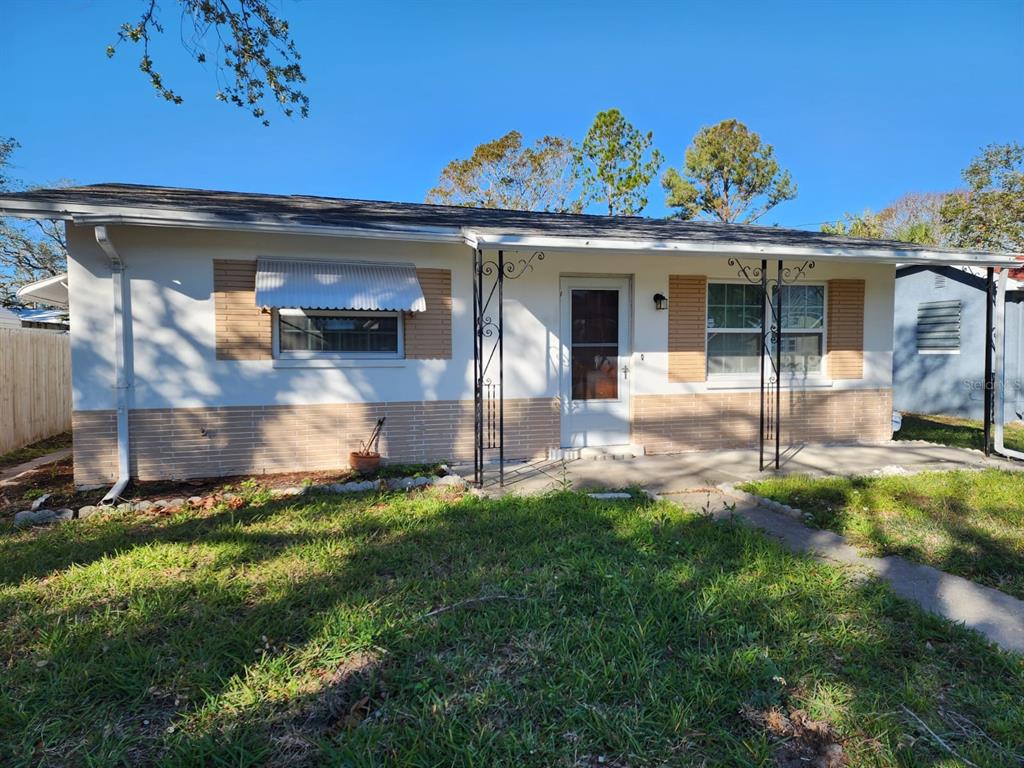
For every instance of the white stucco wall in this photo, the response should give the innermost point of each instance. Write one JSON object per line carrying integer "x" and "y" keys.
{"x": 173, "y": 361}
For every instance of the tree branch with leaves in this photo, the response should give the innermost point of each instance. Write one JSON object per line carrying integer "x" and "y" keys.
{"x": 616, "y": 166}
{"x": 728, "y": 175}
{"x": 29, "y": 250}
{"x": 504, "y": 174}
{"x": 989, "y": 214}
{"x": 251, "y": 46}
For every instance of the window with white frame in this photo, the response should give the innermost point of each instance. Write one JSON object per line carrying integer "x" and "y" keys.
{"x": 305, "y": 333}
{"x": 734, "y": 329}
{"x": 803, "y": 326}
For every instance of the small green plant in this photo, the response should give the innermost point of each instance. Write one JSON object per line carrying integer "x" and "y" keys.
{"x": 564, "y": 481}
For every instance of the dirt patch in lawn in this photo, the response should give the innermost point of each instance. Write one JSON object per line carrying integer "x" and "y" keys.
{"x": 803, "y": 741}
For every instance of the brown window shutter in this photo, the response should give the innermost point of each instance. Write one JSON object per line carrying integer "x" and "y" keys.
{"x": 846, "y": 329}
{"x": 244, "y": 331}
{"x": 687, "y": 327}
{"x": 428, "y": 335}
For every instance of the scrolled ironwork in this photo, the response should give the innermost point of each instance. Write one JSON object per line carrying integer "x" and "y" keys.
{"x": 750, "y": 274}
{"x": 792, "y": 274}
{"x": 517, "y": 268}
{"x": 489, "y": 276}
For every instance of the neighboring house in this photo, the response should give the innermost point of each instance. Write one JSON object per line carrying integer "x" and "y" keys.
{"x": 44, "y": 319}
{"x": 268, "y": 333}
{"x": 939, "y": 355}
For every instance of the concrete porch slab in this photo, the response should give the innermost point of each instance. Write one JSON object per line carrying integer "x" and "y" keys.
{"x": 674, "y": 473}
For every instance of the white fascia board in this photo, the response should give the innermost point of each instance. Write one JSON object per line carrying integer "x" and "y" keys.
{"x": 271, "y": 226}
{"x": 86, "y": 215}
{"x": 149, "y": 217}
{"x": 740, "y": 248}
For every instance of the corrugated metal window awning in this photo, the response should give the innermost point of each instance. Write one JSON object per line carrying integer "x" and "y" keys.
{"x": 357, "y": 285}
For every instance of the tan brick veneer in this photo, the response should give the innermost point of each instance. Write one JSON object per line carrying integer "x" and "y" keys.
{"x": 672, "y": 423}
{"x": 207, "y": 442}
{"x": 846, "y": 329}
{"x": 243, "y": 329}
{"x": 428, "y": 335}
{"x": 687, "y": 322}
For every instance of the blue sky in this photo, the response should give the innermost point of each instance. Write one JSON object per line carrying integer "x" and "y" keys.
{"x": 863, "y": 100}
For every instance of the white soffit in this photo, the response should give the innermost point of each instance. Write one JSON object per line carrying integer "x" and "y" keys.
{"x": 356, "y": 285}
{"x": 52, "y": 291}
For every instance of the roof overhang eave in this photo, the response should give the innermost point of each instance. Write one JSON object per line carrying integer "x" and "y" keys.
{"x": 86, "y": 215}
{"x": 493, "y": 241}
{"x": 148, "y": 217}
{"x": 52, "y": 291}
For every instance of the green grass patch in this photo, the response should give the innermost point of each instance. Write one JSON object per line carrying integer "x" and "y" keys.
{"x": 34, "y": 451}
{"x": 963, "y": 522}
{"x": 427, "y": 630}
{"x": 960, "y": 433}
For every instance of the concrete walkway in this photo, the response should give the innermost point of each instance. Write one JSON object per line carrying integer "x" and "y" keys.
{"x": 670, "y": 473}
{"x": 997, "y": 616}
{"x": 8, "y": 475}
{"x": 699, "y": 480}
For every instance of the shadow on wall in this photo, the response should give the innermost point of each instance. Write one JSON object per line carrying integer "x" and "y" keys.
{"x": 192, "y": 440}
{"x": 941, "y": 384}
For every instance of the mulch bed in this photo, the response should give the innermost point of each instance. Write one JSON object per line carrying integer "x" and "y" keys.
{"x": 58, "y": 479}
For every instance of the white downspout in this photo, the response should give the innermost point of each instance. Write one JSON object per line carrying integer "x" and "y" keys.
{"x": 1000, "y": 368}
{"x": 121, "y": 300}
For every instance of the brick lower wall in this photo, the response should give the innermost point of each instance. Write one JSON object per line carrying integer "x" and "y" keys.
{"x": 209, "y": 442}
{"x": 675, "y": 423}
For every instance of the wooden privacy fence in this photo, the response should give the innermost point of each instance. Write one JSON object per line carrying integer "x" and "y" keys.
{"x": 35, "y": 386}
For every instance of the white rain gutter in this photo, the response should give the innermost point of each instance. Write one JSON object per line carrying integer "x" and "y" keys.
{"x": 121, "y": 300}
{"x": 1000, "y": 369}
{"x": 491, "y": 241}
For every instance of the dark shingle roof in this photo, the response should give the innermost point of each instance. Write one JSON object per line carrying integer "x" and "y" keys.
{"x": 341, "y": 212}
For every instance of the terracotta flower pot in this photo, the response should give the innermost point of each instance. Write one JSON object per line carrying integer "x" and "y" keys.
{"x": 364, "y": 462}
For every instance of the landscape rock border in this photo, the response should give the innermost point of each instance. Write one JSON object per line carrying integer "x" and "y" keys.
{"x": 39, "y": 516}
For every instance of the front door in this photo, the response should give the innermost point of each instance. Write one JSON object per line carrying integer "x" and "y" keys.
{"x": 595, "y": 361}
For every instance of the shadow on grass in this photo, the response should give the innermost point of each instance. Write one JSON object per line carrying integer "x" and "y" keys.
{"x": 298, "y": 633}
{"x": 945, "y": 520}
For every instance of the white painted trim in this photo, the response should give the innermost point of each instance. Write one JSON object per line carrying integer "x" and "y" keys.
{"x": 339, "y": 363}
{"x": 87, "y": 215}
{"x": 739, "y": 248}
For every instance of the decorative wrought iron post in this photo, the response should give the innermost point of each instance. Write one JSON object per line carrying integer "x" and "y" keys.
{"x": 489, "y": 278}
{"x": 990, "y": 381}
{"x": 772, "y": 335}
{"x": 779, "y": 322}
{"x": 764, "y": 307}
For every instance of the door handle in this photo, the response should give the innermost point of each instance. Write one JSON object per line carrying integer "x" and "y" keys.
{"x": 625, "y": 371}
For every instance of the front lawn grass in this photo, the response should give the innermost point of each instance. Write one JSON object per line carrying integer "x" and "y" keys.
{"x": 963, "y": 522}
{"x": 954, "y": 431}
{"x": 428, "y": 630}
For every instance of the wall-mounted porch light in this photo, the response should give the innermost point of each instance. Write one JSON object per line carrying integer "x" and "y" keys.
{"x": 660, "y": 301}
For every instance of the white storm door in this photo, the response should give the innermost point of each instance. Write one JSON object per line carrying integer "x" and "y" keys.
{"x": 595, "y": 380}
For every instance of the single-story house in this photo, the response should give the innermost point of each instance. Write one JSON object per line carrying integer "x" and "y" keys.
{"x": 217, "y": 333}
{"x": 40, "y": 319}
{"x": 939, "y": 346}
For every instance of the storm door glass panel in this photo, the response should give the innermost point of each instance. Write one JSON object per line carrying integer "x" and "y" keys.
{"x": 595, "y": 344}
